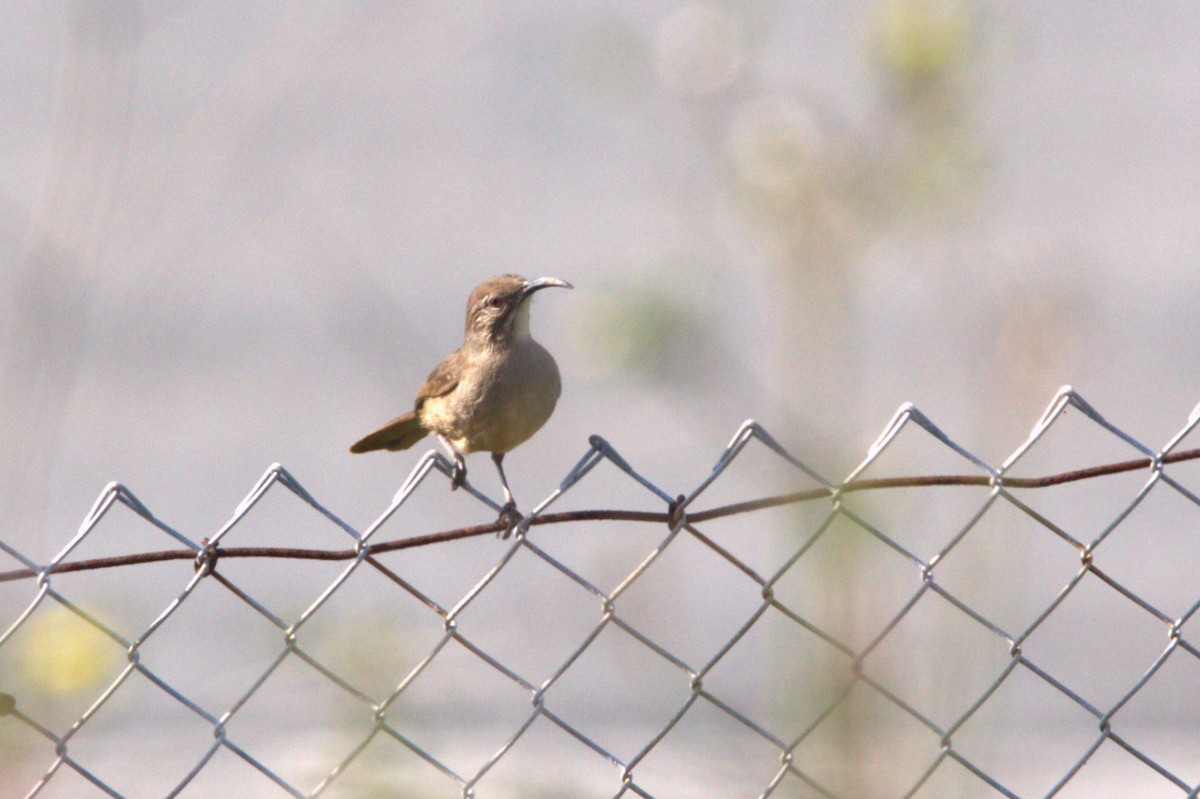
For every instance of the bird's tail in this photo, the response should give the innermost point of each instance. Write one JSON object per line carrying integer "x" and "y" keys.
{"x": 400, "y": 433}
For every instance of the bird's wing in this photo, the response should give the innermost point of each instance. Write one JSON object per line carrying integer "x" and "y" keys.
{"x": 400, "y": 433}
{"x": 441, "y": 381}
{"x": 406, "y": 430}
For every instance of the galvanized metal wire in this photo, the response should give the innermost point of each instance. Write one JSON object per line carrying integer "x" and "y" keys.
{"x": 700, "y": 717}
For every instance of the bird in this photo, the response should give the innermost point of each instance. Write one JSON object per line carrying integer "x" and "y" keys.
{"x": 491, "y": 394}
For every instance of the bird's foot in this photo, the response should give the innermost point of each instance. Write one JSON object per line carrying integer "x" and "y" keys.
{"x": 510, "y": 517}
{"x": 458, "y": 475}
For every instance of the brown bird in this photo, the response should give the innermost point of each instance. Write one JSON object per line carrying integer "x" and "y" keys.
{"x": 489, "y": 395}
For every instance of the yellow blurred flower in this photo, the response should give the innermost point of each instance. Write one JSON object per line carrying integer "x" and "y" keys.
{"x": 63, "y": 654}
{"x": 922, "y": 44}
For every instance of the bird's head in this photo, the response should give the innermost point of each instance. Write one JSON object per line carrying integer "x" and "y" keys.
{"x": 498, "y": 310}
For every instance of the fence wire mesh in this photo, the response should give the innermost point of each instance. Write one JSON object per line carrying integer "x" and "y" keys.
{"x": 869, "y": 637}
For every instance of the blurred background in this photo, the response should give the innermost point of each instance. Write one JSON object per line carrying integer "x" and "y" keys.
{"x": 239, "y": 234}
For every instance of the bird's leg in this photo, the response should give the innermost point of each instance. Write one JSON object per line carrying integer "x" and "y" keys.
{"x": 459, "y": 474}
{"x": 508, "y": 514}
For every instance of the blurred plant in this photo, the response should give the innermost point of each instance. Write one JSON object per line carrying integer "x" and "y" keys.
{"x": 802, "y": 183}
{"x": 816, "y": 191}
{"x": 14, "y": 748}
{"x": 923, "y": 47}
{"x": 54, "y": 659}
{"x": 926, "y": 54}
{"x": 813, "y": 190}
{"x": 642, "y": 331}
{"x": 64, "y": 656}
{"x": 1039, "y": 303}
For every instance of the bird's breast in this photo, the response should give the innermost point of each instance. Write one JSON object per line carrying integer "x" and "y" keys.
{"x": 502, "y": 399}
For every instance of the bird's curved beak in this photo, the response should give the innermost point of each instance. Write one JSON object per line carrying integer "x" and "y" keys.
{"x": 543, "y": 283}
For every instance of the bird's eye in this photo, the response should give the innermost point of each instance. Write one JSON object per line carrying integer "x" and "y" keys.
{"x": 495, "y": 302}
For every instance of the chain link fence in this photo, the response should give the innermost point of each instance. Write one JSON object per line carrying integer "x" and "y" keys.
{"x": 917, "y": 633}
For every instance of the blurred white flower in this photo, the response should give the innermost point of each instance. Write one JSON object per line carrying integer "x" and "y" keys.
{"x": 774, "y": 145}
{"x": 700, "y": 49}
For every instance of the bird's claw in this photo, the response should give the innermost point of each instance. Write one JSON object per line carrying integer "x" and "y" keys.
{"x": 458, "y": 475}
{"x": 510, "y": 517}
